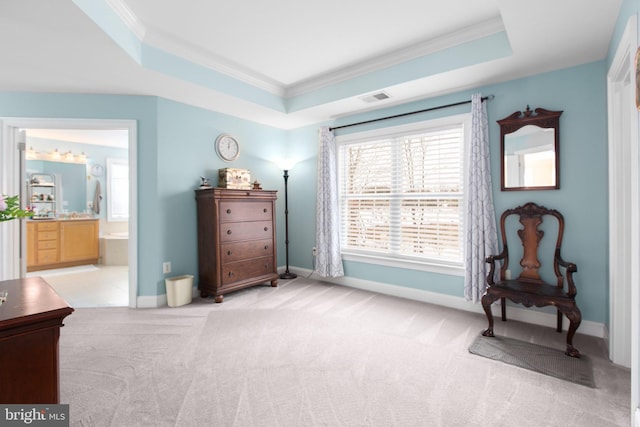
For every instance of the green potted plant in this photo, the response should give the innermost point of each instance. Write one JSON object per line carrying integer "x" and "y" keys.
{"x": 10, "y": 208}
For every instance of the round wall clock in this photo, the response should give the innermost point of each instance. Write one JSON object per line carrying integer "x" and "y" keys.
{"x": 227, "y": 147}
{"x": 97, "y": 170}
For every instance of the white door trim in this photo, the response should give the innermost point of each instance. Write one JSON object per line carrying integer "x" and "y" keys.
{"x": 624, "y": 210}
{"x": 10, "y": 185}
{"x": 9, "y": 166}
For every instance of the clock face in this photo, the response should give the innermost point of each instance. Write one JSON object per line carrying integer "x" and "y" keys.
{"x": 97, "y": 170}
{"x": 227, "y": 147}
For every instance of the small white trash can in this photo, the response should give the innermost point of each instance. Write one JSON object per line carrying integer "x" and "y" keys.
{"x": 179, "y": 290}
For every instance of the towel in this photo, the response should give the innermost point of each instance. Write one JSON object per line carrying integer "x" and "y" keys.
{"x": 97, "y": 198}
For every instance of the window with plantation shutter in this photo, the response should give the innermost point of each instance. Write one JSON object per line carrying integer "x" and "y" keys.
{"x": 401, "y": 194}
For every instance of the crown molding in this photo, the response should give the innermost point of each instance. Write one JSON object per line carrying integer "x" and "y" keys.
{"x": 389, "y": 59}
{"x": 129, "y": 18}
{"x": 197, "y": 55}
{"x": 163, "y": 41}
{"x": 190, "y": 52}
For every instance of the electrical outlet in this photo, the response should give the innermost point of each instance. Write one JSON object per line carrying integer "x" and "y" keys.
{"x": 507, "y": 274}
{"x": 166, "y": 267}
{"x": 314, "y": 251}
{"x": 89, "y": 205}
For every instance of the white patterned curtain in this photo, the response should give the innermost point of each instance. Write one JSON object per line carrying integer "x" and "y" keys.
{"x": 481, "y": 238}
{"x": 328, "y": 259}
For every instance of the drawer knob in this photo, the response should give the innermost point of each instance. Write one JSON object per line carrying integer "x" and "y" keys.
{"x": 264, "y": 210}
{"x": 229, "y": 253}
{"x": 266, "y": 247}
{"x": 228, "y": 231}
{"x": 228, "y": 211}
{"x": 266, "y": 228}
{"x": 230, "y": 273}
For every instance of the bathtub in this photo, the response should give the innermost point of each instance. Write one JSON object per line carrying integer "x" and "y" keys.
{"x": 114, "y": 248}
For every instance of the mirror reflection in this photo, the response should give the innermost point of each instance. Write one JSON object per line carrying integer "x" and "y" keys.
{"x": 530, "y": 157}
{"x": 529, "y": 150}
{"x": 67, "y": 182}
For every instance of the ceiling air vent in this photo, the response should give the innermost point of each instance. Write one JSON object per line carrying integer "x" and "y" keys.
{"x": 380, "y": 96}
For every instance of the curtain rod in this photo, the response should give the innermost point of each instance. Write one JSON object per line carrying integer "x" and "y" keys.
{"x": 455, "y": 104}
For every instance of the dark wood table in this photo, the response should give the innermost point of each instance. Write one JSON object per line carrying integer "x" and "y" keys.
{"x": 30, "y": 321}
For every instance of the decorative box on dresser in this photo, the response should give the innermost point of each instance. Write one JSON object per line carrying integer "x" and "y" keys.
{"x": 236, "y": 240}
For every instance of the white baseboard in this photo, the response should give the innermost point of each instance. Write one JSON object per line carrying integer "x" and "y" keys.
{"x": 151, "y": 301}
{"x": 155, "y": 301}
{"x": 535, "y": 317}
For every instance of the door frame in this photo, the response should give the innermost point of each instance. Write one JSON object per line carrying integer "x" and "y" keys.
{"x": 11, "y": 162}
{"x": 624, "y": 211}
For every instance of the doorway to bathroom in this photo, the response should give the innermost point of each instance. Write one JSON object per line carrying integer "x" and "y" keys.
{"x": 97, "y": 209}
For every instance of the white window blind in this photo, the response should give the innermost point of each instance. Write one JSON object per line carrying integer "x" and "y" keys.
{"x": 401, "y": 195}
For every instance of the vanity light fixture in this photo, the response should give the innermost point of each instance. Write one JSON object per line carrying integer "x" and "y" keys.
{"x": 31, "y": 154}
{"x": 55, "y": 156}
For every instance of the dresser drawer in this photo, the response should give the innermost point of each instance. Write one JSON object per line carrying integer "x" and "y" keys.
{"x": 241, "y": 270}
{"x": 245, "y": 211}
{"x": 230, "y": 252}
{"x": 47, "y": 226}
{"x": 47, "y": 256}
{"x": 47, "y": 244}
{"x": 237, "y": 231}
{"x": 47, "y": 235}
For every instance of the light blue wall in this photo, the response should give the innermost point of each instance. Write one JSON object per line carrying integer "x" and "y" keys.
{"x": 175, "y": 147}
{"x": 140, "y": 108}
{"x": 582, "y": 198}
{"x": 185, "y": 151}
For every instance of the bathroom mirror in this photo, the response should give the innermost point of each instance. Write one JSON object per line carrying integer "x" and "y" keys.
{"x": 71, "y": 183}
{"x": 529, "y": 150}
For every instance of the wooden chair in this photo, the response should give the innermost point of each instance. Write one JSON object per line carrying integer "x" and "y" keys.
{"x": 529, "y": 288}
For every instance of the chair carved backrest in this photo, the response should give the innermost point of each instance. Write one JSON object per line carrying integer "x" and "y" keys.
{"x": 529, "y": 288}
{"x": 531, "y": 216}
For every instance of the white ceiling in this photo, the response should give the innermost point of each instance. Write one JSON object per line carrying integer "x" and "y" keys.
{"x": 289, "y": 48}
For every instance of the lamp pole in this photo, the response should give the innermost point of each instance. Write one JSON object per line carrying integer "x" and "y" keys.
{"x": 287, "y": 274}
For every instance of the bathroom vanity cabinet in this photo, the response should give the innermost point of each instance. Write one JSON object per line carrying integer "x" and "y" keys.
{"x": 236, "y": 240}
{"x": 62, "y": 243}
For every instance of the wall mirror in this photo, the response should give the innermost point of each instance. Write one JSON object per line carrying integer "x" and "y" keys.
{"x": 71, "y": 183}
{"x": 529, "y": 150}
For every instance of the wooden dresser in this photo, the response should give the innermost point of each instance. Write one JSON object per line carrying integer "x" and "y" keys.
{"x": 30, "y": 321}
{"x": 236, "y": 240}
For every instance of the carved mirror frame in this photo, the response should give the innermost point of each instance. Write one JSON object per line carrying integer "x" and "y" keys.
{"x": 545, "y": 119}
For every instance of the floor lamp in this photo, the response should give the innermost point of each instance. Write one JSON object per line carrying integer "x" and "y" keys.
{"x": 286, "y": 165}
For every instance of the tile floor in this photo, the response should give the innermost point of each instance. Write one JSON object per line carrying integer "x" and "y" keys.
{"x": 90, "y": 285}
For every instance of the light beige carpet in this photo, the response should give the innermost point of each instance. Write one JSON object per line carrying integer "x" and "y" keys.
{"x": 311, "y": 354}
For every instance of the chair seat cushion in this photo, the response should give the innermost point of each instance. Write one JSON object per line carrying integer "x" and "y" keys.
{"x": 532, "y": 288}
